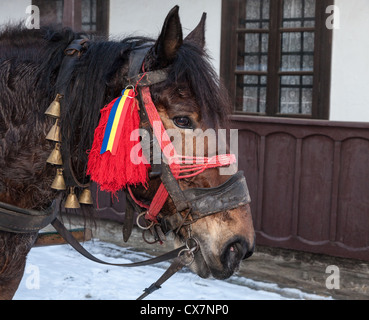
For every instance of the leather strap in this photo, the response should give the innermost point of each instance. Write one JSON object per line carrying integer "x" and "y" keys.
{"x": 173, "y": 188}
{"x": 128, "y": 219}
{"x": 72, "y": 53}
{"x": 76, "y": 46}
{"x": 135, "y": 77}
{"x": 63, "y": 231}
{"x": 136, "y": 59}
{"x": 163, "y": 169}
{"x": 149, "y": 78}
{"x": 176, "y": 265}
{"x": 18, "y": 220}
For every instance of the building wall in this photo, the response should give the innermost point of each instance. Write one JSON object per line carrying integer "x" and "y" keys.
{"x": 13, "y": 11}
{"x": 146, "y": 17}
{"x": 350, "y": 60}
{"x": 350, "y": 63}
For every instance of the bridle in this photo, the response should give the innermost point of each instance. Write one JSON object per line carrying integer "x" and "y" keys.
{"x": 191, "y": 205}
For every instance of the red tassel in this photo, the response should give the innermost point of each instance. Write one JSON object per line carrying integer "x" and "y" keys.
{"x": 114, "y": 172}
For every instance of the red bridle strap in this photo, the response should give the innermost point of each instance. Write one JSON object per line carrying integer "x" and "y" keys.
{"x": 181, "y": 166}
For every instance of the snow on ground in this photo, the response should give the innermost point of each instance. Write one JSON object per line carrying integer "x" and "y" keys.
{"x": 61, "y": 273}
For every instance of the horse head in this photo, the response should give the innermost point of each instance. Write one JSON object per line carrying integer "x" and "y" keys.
{"x": 190, "y": 102}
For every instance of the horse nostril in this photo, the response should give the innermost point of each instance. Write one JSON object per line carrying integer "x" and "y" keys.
{"x": 240, "y": 251}
{"x": 235, "y": 251}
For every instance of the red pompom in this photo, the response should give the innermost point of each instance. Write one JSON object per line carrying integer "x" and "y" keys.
{"x": 114, "y": 172}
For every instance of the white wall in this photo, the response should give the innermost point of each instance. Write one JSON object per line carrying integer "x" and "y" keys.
{"x": 13, "y": 10}
{"x": 350, "y": 60}
{"x": 146, "y": 17}
{"x": 350, "y": 63}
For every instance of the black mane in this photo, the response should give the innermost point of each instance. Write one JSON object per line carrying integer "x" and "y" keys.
{"x": 29, "y": 65}
{"x": 99, "y": 75}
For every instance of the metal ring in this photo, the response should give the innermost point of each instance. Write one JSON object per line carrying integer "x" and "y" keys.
{"x": 138, "y": 221}
{"x": 183, "y": 251}
{"x": 147, "y": 241}
{"x": 195, "y": 248}
{"x": 130, "y": 86}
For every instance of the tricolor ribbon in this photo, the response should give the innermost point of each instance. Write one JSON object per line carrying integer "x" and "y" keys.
{"x": 116, "y": 120}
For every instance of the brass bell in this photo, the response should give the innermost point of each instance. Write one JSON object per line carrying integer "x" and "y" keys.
{"x": 54, "y": 133}
{"x": 55, "y": 157}
{"x": 86, "y": 197}
{"x": 59, "y": 183}
{"x": 72, "y": 201}
{"x": 54, "y": 108}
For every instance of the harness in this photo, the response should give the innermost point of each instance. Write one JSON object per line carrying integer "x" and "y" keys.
{"x": 191, "y": 204}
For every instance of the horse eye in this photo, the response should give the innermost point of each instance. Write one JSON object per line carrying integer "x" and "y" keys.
{"x": 183, "y": 122}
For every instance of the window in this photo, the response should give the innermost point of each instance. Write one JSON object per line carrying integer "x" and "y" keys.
{"x": 276, "y": 56}
{"x": 81, "y": 15}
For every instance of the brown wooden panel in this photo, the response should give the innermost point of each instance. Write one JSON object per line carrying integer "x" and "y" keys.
{"x": 248, "y": 162}
{"x": 278, "y": 185}
{"x": 353, "y": 201}
{"x": 315, "y": 188}
{"x": 312, "y": 181}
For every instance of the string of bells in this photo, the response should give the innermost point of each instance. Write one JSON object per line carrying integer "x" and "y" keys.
{"x": 55, "y": 158}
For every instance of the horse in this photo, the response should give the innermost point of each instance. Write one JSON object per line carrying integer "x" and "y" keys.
{"x": 189, "y": 97}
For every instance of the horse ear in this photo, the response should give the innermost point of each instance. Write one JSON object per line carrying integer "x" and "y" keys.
{"x": 197, "y": 35}
{"x": 170, "y": 38}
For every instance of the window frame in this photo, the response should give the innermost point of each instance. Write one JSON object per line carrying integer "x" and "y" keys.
{"x": 322, "y": 58}
{"x": 72, "y": 14}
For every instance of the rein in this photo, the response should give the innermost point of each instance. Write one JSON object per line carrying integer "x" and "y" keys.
{"x": 18, "y": 220}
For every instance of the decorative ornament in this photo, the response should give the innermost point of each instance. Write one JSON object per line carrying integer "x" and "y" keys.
{"x": 109, "y": 161}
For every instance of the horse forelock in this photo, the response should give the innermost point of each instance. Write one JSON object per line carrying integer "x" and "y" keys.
{"x": 192, "y": 68}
